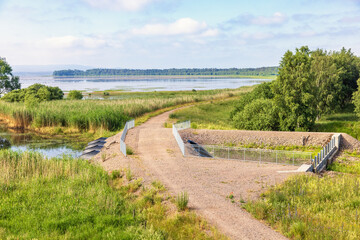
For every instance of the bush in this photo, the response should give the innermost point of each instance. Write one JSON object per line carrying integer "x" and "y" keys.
{"x": 261, "y": 114}
{"x": 261, "y": 91}
{"x": 34, "y": 93}
{"x": 182, "y": 201}
{"x": 74, "y": 94}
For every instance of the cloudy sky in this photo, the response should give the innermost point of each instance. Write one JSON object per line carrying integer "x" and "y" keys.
{"x": 172, "y": 33}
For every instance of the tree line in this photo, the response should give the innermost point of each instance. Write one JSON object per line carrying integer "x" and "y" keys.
{"x": 263, "y": 71}
{"x": 309, "y": 84}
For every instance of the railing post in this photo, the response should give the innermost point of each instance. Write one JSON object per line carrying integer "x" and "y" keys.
{"x": 293, "y": 158}
{"x": 228, "y": 152}
{"x": 260, "y": 155}
{"x": 244, "y": 154}
{"x": 276, "y": 156}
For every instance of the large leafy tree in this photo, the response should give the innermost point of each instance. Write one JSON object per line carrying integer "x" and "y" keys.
{"x": 327, "y": 82}
{"x": 350, "y": 64}
{"x": 294, "y": 91}
{"x": 8, "y": 82}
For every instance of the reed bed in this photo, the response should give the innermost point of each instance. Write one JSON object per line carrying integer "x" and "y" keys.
{"x": 110, "y": 115}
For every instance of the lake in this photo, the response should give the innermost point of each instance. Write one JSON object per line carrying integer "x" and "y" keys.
{"x": 137, "y": 83}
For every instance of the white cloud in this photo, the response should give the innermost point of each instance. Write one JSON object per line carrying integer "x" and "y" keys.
{"x": 127, "y": 5}
{"x": 183, "y": 26}
{"x": 277, "y": 18}
{"x": 257, "y": 36}
{"x": 74, "y": 42}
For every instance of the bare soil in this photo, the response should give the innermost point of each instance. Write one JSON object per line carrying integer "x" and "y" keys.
{"x": 216, "y": 137}
{"x": 207, "y": 181}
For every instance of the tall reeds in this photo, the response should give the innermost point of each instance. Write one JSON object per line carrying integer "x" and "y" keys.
{"x": 109, "y": 115}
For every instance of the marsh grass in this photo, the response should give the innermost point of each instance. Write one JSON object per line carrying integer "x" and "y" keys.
{"x": 109, "y": 115}
{"x": 72, "y": 199}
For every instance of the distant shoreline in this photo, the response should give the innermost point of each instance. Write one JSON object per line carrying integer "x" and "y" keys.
{"x": 166, "y": 76}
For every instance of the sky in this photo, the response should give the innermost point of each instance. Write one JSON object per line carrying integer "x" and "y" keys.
{"x": 172, "y": 33}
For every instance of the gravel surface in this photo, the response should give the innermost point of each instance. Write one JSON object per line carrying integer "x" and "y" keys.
{"x": 207, "y": 181}
{"x": 216, "y": 137}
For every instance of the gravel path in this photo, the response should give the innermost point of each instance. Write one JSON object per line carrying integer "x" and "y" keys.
{"x": 207, "y": 181}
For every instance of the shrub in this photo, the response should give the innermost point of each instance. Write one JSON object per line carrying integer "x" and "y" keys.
{"x": 128, "y": 174}
{"x": 115, "y": 174}
{"x": 74, "y": 94}
{"x": 261, "y": 114}
{"x": 129, "y": 151}
{"x": 182, "y": 201}
{"x": 36, "y": 92}
{"x": 106, "y": 94}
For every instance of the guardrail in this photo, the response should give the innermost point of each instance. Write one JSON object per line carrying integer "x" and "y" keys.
{"x": 320, "y": 161}
{"x": 180, "y": 126}
{"x": 128, "y": 125}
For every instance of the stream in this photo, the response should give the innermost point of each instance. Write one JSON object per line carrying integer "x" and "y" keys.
{"x": 49, "y": 147}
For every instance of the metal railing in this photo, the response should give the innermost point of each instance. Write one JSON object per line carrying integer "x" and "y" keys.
{"x": 252, "y": 154}
{"x": 180, "y": 126}
{"x": 320, "y": 160}
{"x": 128, "y": 125}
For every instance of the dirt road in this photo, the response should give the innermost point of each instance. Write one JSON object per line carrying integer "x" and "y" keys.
{"x": 207, "y": 181}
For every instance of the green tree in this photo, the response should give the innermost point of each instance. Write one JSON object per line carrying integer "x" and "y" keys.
{"x": 350, "y": 64}
{"x": 260, "y": 114}
{"x": 35, "y": 93}
{"x": 8, "y": 82}
{"x": 356, "y": 100}
{"x": 327, "y": 82}
{"x": 74, "y": 94}
{"x": 294, "y": 91}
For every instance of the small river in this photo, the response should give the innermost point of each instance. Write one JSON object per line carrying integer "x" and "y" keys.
{"x": 55, "y": 147}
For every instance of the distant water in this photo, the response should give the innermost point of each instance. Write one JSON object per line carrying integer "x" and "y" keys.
{"x": 133, "y": 84}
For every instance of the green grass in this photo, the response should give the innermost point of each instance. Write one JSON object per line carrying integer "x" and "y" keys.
{"x": 73, "y": 199}
{"x": 344, "y": 121}
{"x": 108, "y": 115}
{"x": 313, "y": 206}
{"x": 213, "y": 115}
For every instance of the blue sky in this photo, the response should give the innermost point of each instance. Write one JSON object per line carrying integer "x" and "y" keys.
{"x": 172, "y": 33}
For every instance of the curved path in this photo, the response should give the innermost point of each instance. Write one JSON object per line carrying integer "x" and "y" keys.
{"x": 207, "y": 181}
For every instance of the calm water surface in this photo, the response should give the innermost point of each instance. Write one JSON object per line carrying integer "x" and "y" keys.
{"x": 133, "y": 84}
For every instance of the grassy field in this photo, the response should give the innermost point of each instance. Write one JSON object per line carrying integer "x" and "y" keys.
{"x": 73, "y": 199}
{"x": 344, "y": 121}
{"x": 313, "y": 206}
{"x": 210, "y": 115}
{"x": 105, "y": 115}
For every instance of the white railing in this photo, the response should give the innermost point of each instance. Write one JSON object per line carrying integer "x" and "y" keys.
{"x": 321, "y": 159}
{"x": 180, "y": 126}
{"x": 129, "y": 124}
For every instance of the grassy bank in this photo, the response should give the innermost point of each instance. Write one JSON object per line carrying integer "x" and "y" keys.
{"x": 210, "y": 115}
{"x": 344, "y": 121}
{"x": 315, "y": 207}
{"x": 73, "y": 199}
{"x": 101, "y": 115}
